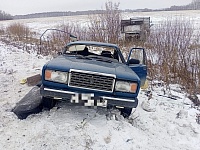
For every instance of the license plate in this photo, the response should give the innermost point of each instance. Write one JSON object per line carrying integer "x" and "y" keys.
{"x": 88, "y": 100}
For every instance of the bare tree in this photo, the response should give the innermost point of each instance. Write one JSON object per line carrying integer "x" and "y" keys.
{"x": 5, "y": 16}
{"x": 196, "y": 4}
{"x": 105, "y": 27}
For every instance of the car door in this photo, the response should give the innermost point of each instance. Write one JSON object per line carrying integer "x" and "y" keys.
{"x": 137, "y": 62}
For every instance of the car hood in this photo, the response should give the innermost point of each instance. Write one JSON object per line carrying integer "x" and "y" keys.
{"x": 65, "y": 63}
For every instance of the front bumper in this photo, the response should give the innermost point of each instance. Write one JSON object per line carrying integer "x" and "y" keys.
{"x": 80, "y": 97}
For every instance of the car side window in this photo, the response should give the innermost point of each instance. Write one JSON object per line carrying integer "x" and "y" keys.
{"x": 136, "y": 56}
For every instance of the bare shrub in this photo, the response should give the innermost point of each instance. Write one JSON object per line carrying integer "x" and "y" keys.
{"x": 21, "y": 36}
{"x": 18, "y": 31}
{"x": 55, "y": 40}
{"x": 52, "y": 41}
{"x": 105, "y": 27}
{"x": 173, "y": 54}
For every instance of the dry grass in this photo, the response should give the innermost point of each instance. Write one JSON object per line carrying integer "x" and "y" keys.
{"x": 55, "y": 40}
{"x": 2, "y": 31}
{"x": 21, "y": 36}
{"x": 174, "y": 54}
{"x": 18, "y": 31}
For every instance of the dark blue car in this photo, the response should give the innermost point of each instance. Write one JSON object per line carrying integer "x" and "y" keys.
{"x": 94, "y": 74}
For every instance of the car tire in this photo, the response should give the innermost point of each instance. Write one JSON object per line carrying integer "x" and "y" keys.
{"x": 48, "y": 103}
{"x": 126, "y": 112}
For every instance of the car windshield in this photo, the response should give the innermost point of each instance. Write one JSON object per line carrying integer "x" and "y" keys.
{"x": 94, "y": 51}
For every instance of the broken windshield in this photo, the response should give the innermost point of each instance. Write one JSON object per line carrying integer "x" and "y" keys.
{"x": 94, "y": 51}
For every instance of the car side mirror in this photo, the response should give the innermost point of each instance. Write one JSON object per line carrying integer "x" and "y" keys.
{"x": 133, "y": 61}
{"x": 73, "y": 38}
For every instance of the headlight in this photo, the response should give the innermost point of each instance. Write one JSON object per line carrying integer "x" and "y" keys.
{"x": 56, "y": 76}
{"x": 124, "y": 86}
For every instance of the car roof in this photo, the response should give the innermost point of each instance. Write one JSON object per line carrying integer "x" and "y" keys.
{"x": 92, "y": 43}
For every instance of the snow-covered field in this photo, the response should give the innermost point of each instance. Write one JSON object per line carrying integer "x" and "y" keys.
{"x": 167, "y": 125}
{"x": 39, "y": 25}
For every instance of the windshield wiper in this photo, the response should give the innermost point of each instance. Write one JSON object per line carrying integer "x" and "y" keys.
{"x": 78, "y": 56}
{"x": 71, "y": 53}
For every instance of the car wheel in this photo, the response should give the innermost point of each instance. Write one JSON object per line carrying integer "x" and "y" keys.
{"x": 48, "y": 103}
{"x": 126, "y": 112}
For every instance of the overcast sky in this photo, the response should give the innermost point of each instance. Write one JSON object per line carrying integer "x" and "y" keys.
{"x": 21, "y": 7}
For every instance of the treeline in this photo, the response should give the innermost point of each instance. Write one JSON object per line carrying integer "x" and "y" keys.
{"x": 194, "y": 5}
{"x": 56, "y": 14}
{"x": 5, "y": 16}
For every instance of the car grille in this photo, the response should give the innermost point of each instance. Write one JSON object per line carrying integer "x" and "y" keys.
{"x": 91, "y": 81}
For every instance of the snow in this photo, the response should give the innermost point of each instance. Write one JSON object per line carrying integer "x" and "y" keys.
{"x": 171, "y": 124}
{"x": 160, "y": 123}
